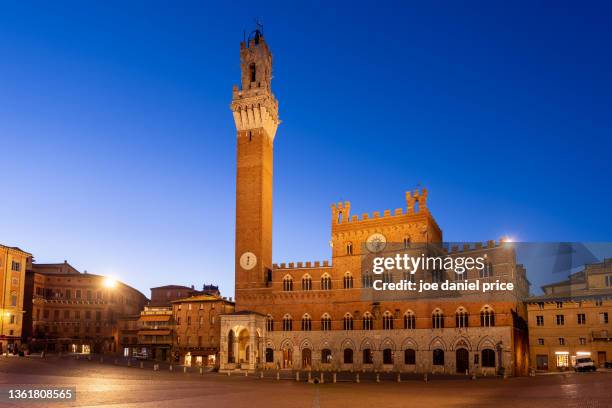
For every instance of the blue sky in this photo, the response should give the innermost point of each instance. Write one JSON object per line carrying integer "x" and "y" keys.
{"x": 118, "y": 146}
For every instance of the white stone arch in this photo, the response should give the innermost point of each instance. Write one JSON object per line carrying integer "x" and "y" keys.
{"x": 325, "y": 344}
{"x": 486, "y": 342}
{"x": 348, "y": 343}
{"x": 437, "y": 310}
{"x": 487, "y": 307}
{"x": 462, "y": 342}
{"x": 366, "y": 343}
{"x": 409, "y": 342}
{"x": 286, "y": 344}
{"x": 387, "y": 343}
{"x": 270, "y": 344}
{"x": 461, "y": 309}
{"x": 437, "y": 342}
{"x": 306, "y": 344}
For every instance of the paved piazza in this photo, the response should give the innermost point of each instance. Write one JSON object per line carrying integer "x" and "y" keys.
{"x": 105, "y": 384}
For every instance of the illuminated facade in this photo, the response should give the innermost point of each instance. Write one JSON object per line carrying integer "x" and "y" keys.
{"x": 572, "y": 320}
{"x": 319, "y": 315}
{"x": 77, "y": 312}
{"x": 13, "y": 264}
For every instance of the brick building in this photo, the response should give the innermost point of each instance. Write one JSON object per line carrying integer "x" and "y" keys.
{"x": 326, "y": 315}
{"x": 76, "y": 312}
{"x": 197, "y": 328}
{"x": 13, "y": 265}
{"x": 572, "y": 319}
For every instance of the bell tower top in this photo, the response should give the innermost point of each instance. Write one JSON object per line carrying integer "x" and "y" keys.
{"x": 254, "y": 104}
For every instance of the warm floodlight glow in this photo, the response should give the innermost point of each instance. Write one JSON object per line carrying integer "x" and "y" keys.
{"x": 110, "y": 283}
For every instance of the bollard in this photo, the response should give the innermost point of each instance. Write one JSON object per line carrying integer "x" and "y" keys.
{"x": 297, "y": 376}
{"x": 129, "y": 363}
{"x": 141, "y": 364}
{"x": 399, "y": 378}
{"x": 425, "y": 377}
{"x": 357, "y": 378}
{"x": 377, "y": 377}
{"x": 184, "y": 369}
{"x": 246, "y": 373}
{"x": 261, "y": 374}
{"x": 170, "y": 368}
{"x": 473, "y": 375}
{"x": 334, "y": 378}
{"x": 322, "y": 380}
{"x": 201, "y": 371}
{"x": 466, "y": 371}
{"x": 309, "y": 377}
{"x": 278, "y": 375}
{"x": 228, "y": 373}
{"x": 155, "y": 367}
{"x": 101, "y": 359}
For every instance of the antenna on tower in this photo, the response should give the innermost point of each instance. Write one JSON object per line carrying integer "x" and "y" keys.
{"x": 259, "y": 26}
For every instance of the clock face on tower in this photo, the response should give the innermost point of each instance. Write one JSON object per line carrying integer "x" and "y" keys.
{"x": 376, "y": 242}
{"x": 248, "y": 260}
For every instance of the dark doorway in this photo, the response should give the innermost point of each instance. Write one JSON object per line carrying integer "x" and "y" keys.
{"x": 463, "y": 360}
{"x": 306, "y": 358}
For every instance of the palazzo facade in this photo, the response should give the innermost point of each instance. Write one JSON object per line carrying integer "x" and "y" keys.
{"x": 322, "y": 315}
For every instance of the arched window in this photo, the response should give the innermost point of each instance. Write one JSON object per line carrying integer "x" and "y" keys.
{"x": 348, "y": 280}
{"x": 287, "y": 323}
{"x": 368, "y": 321}
{"x": 488, "y": 358}
{"x": 348, "y": 322}
{"x": 326, "y": 322}
{"x": 326, "y": 282}
{"x": 387, "y": 321}
{"x": 13, "y": 299}
{"x": 409, "y": 320}
{"x": 387, "y": 356}
{"x": 306, "y": 323}
{"x": 253, "y": 72}
{"x": 349, "y": 248}
{"x": 306, "y": 282}
{"x": 438, "y": 357}
{"x": 406, "y": 243}
{"x": 269, "y": 355}
{"x": 348, "y": 356}
{"x": 487, "y": 271}
{"x": 437, "y": 319}
{"x": 461, "y": 318}
{"x": 230, "y": 347}
{"x": 367, "y": 356}
{"x": 269, "y": 323}
{"x": 287, "y": 283}
{"x": 487, "y": 317}
{"x": 409, "y": 356}
{"x": 326, "y": 356}
{"x": 437, "y": 276}
{"x": 366, "y": 280}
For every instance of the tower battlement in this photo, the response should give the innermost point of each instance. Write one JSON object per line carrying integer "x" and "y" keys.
{"x": 416, "y": 203}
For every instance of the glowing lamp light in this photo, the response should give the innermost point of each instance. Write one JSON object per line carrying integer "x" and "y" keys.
{"x": 109, "y": 283}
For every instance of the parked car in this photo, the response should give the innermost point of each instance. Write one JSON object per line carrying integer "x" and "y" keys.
{"x": 585, "y": 364}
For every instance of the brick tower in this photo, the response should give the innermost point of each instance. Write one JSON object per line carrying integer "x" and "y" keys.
{"x": 255, "y": 112}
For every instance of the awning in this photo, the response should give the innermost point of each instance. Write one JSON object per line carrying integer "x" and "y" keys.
{"x": 154, "y": 332}
{"x": 155, "y": 318}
